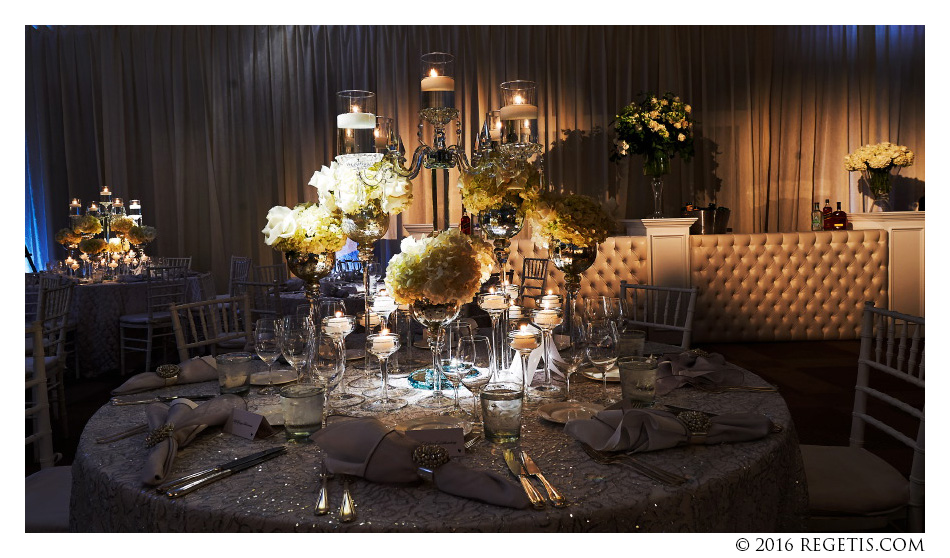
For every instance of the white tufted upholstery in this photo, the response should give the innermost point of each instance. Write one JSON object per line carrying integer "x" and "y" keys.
{"x": 786, "y": 286}
{"x": 618, "y": 257}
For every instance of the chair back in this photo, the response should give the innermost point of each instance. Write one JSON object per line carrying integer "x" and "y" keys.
{"x": 276, "y": 274}
{"x": 659, "y": 308}
{"x": 176, "y": 262}
{"x": 166, "y": 285}
{"x": 206, "y": 286}
{"x": 893, "y": 344}
{"x": 263, "y": 298}
{"x": 240, "y": 267}
{"x": 209, "y": 322}
{"x": 53, "y": 307}
{"x": 37, "y": 401}
{"x": 534, "y": 275}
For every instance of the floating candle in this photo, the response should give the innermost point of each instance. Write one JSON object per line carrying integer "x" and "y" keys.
{"x": 546, "y": 317}
{"x": 384, "y": 341}
{"x": 356, "y": 120}
{"x": 514, "y": 312}
{"x": 492, "y": 302}
{"x": 519, "y": 111}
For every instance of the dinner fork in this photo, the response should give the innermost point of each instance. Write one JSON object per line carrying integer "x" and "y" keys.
{"x": 646, "y": 469}
{"x": 724, "y": 389}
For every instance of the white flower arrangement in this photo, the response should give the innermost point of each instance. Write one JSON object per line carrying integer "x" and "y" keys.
{"x": 573, "y": 219}
{"x": 496, "y": 179}
{"x": 441, "y": 268}
{"x": 339, "y": 186}
{"x": 307, "y": 228}
{"x": 882, "y": 156}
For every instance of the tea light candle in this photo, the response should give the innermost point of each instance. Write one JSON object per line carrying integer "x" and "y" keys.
{"x": 519, "y": 110}
{"x": 356, "y": 120}
{"x": 74, "y": 267}
{"x": 384, "y": 341}
{"x": 511, "y": 291}
{"x": 84, "y": 257}
{"x": 75, "y": 206}
{"x": 93, "y": 208}
{"x": 514, "y": 312}
{"x": 384, "y": 303}
{"x": 546, "y": 317}
{"x": 492, "y": 302}
{"x": 373, "y": 319}
{"x": 338, "y": 324}
{"x": 113, "y": 265}
{"x": 435, "y": 82}
{"x": 523, "y": 339}
{"x": 550, "y": 300}
{"x": 135, "y": 204}
{"x": 495, "y": 133}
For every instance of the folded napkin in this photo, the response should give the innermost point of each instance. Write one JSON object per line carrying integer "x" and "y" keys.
{"x": 642, "y": 430}
{"x": 198, "y": 369}
{"x": 131, "y": 278}
{"x": 688, "y": 368}
{"x": 292, "y": 284}
{"x": 181, "y": 421}
{"x": 363, "y": 447}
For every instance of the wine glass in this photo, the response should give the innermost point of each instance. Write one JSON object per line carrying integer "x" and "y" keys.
{"x": 267, "y": 346}
{"x": 578, "y": 354}
{"x": 476, "y": 355}
{"x": 383, "y": 345}
{"x": 603, "y": 350}
{"x": 327, "y": 366}
{"x": 295, "y": 338}
{"x": 452, "y": 366}
{"x": 338, "y": 327}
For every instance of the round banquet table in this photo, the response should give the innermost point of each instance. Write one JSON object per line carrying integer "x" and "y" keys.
{"x": 755, "y": 486}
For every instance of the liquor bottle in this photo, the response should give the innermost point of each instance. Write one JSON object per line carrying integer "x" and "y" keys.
{"x": 816, "y": 219}
{"x": 826, "y": 216}
{"x": 839, "y": 219}
{"x": 465, "y": 225}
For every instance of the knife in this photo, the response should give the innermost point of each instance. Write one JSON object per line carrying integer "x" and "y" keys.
{"x": 557, "y": 500}
{"x": 190, "y": 483}
{"x": 136, "y": 400}
{"x": 517, "y": 469}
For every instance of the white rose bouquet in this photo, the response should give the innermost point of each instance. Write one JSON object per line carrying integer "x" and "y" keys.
{"x": 877, "y": 161}
{"x": 496, "y": 179}
{"x": 307, "y": 228}
{"x": 339, "y": 186}
{"x": 441, "y": 268}
{"x": 573, "y": 219}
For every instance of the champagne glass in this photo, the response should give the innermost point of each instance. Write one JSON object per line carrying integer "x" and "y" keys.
{"x": 267, "y": 346}
{"x": 475, "y": 352}
{"x": 295, "y": 338}
{"x": 383, "y": 345}
{"x": 603, "y": 350}
{"x": 338, "y": 327}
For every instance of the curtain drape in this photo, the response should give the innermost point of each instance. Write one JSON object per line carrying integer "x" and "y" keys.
{"x": 211, "y": 126}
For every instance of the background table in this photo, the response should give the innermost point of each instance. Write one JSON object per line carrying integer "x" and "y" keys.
{"x": 756, "y": 486}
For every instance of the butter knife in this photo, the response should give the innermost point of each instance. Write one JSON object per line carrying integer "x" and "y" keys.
{"x": 224, "y": 473}
{"x": 557, "y": 500}
{"x": 139, "y": 399}
{"x": 323, "y": 499}
{"x": 517, "y": 469}
{"x": 165, "y": 487}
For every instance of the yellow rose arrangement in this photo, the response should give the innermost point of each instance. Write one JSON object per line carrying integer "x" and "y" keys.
{"x": 654, "y": 123}
{"x": 441, "y": 268}
{"x": 307, "y": 228}
{"x": 496, "y": 179}
{"x": 121, "y": 225}
{"x": 141, "y": 234}
{"x": 88, "y": 224}
{"x": 92, "y": 245}
{"x": 67, "y": 237}
{"x": 573, "y": 219}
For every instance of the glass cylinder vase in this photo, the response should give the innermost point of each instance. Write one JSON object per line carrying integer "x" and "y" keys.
{"x": 655, "y": 165}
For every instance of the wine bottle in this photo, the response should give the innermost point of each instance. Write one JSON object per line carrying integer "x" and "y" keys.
{"x": 465, "y": 225}
{"x": 816, "y": 218}
{"x": 826, "y": 216}
{"x": 839, "y": 219}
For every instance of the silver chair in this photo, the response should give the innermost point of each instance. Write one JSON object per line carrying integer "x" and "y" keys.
{"x": 47, "y": 490}
{"x": 533, "y": 270}
{"x": 176, "y": 262}
{"x": 659, "y": 309}
{"x": 216, "y": 323}
{"x": 53, "y": 315}
{"x": 164, "y": 286}
{"x": 849, "y": 487}
{"x": 264, "y": 299}
{"x": 240, "y": 267}
{"x": 206, "y": 286}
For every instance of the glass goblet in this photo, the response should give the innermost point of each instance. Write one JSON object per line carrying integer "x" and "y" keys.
{"x": 496, "y": 304}
{"x": 337, "y": 327}
{"x": 383, "y": 345}
{"x": 475, "y": 352}
{"x": 546, "y": 319}
{"x": 327, "y": 366}
{"x": 295, "y": 337}
{"x": 453, "y": 368}
{"x": 267, "y": 346}
{"x": 603, "y": 346}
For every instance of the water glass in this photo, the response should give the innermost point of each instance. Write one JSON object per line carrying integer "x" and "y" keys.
{"x": 501, "y": 413}
{"x": 303, "y": 408}
{"x": 632, "y": 341}
{"x": 234, "y": 372}
{"x": 602, "y": 350}
{"x": 296, "y": 341}
{"x": 638, "y": 380}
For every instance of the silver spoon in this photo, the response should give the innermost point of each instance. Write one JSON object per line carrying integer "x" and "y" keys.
{"x": 348, "y": 507}
{"x": 323, "y": 499}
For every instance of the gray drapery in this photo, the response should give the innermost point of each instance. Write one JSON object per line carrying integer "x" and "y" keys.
{"x": 211, "y": 126}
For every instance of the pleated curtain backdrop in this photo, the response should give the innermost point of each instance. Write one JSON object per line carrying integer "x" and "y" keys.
{"x": 211, "y": 126}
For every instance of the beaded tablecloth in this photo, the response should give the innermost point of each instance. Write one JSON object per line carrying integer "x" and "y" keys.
{"x": 753, "y": 486}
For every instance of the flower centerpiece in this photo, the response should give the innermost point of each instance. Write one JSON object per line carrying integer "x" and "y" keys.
{"x": 876, "y": 163}
{"x": 68, "y": 237}
{"x": 141, "y": 234}
{"x": 92, "y": 246}
{"x": 88, "y": 225}
{"x": 659, "y": 128}
{"x": 309, "y": 235}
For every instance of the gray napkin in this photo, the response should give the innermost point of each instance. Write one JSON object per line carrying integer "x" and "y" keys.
{"x": 363, "y": 447}
{"x": 198, "y": 369}
{"x": 686, "y": 368}
{"x": 642, "y": 430}
{"x": 188, "y": 420}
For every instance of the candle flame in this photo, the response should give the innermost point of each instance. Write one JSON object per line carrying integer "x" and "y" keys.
{"x": 384, "y": 331}
{"x": 524, "y": 328}
{"x": 339, "y": 314}
{"x": 518, "y": 100}
{"x": 550, "y": 291}
{"x": 355, "y": 108}
{"x": 491, "y": 290}
{"x": 376, "y": 133}
{"x": 433, "y": 73}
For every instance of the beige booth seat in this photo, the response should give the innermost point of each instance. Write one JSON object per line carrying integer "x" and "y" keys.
{"x": 786, "y": 286}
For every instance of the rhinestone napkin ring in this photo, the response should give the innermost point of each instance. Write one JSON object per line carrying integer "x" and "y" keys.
{"x": 697, "y": 425}
{"x": 155, "y": 436}
{"x": 428, "y": 457}
{"x": 168, "y": 371}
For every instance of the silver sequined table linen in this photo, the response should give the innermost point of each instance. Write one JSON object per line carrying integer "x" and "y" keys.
{"x": 753, "y": 486}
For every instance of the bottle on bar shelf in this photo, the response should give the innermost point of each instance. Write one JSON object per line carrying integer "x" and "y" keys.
{"x": 816, "y": 218}
{"x": 826, "y": 216}
{"x": 465, "y": 225}
{"x": 839, "y": 219}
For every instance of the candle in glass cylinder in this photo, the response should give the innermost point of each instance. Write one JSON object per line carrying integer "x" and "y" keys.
{"x": 511, "y": 291}
{"x": 519, "y": 109}
{"x": 514, "y": 312}
{"x": 524, "y": 339}
{"x": 93, "y": 208}
{"x": 105, "y": 195}
{"x": 74, "y": 267}
{"x": 435, "y": 82}
{"x": 384, "y": 341}
{"x": 338, "y": 324}
{"x": 356, "y": 120}
{"x": 384, "y": 304}
{"x": 75, "y": 207}
{"x": 492, "y": 302}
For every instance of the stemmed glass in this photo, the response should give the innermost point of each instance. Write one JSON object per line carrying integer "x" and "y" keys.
{"x": 369, "y": 380}
{"x": 603, "y": 350}
{"x": 578, "y": 355}
{"x": 452, "y": 366}
{"x": 338, "y": 327}
{"x": 495, "y": 304}
{"x": 546, "y": 319}
{"x": 295, "y": 336}
{"x": 402, "y": 326}
{"x": 383, "y": 345}
{"x": 267, "y": 346}
{"x": 524, "y": 340}
{"x": 603, "y": 308}
{"x": 327, "y": 365}
{"x": 476, "y": 356}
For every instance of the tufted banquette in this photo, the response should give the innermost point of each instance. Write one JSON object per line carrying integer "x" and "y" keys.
{"x": 754, "y": 287}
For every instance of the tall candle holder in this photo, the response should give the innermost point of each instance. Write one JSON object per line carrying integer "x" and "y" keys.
{"x": 519, "y": 119}
{"x": 356, "y": 125}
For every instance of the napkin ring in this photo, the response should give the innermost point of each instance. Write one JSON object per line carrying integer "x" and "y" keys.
{"x": 697, "y": 425}
{"x": 699, "y": 353}
{"x": 427, "y": 458}
{"x": 161, "y": 433}
{"x": 168, "y": 371}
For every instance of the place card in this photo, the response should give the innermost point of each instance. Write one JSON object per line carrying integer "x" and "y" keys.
{"x": 452, "y": 439}
{"x": 248, "y": 425}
